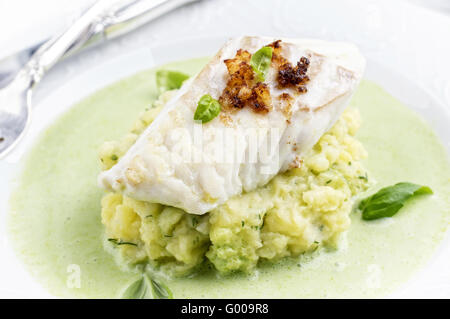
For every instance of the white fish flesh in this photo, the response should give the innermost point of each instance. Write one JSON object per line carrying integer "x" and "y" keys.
{"x": 178, "y": 162}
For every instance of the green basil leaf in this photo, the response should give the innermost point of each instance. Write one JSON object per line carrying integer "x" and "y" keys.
{"x": 147, "y": 288}
{"x": 207, "y": 109}
{"x": 159, "y": 290}
{"x": 388, "y": 201}
{"x": 137, "y": 290}
{"x": 260, "y": 62}
{"x": 169, "y": 80}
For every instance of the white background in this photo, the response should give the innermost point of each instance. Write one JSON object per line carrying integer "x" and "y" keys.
{"x": 25, "y": 22}
{"x": 412, "y": 30}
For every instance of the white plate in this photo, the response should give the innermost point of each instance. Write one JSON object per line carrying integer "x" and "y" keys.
{"x": 428, "y": 94}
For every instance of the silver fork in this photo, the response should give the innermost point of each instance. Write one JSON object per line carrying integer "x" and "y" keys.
{"x": 104, "y": 20}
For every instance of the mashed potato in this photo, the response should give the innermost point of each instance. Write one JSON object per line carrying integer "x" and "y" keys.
{"x": 297, "y": 212}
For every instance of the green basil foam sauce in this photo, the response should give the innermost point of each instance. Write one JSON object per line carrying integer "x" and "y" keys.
{"x": 57, "y": 206}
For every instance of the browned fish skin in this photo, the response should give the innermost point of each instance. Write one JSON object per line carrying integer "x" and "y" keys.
{"x": 288, "y": 75}
{"x": 242, "y": 89}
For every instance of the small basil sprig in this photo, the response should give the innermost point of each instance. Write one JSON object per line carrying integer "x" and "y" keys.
{"x": 260, "y": 62}
{"x": 147, "y": 288}
{"x": 388, "y": 201}
{"x": 160, "y": 290}
{"x": 169, "y": 80}
{"x": 207, "y": 109}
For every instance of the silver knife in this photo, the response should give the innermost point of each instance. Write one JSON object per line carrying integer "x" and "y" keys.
{"x": 20, "y": 72}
